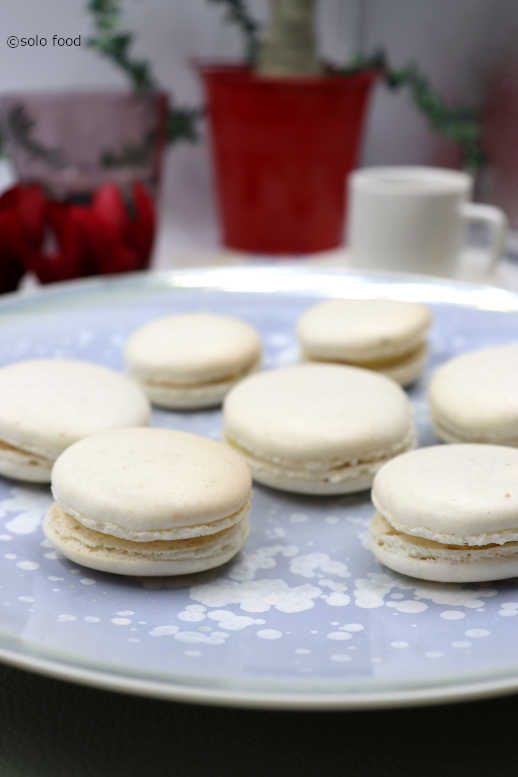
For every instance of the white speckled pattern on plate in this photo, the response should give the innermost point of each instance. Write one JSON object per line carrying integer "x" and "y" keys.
{"x": 303, "y": 617}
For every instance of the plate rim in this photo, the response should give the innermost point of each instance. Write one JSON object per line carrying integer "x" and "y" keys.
{"x": 223, "y": 277}
{"x": 165, "y": 690}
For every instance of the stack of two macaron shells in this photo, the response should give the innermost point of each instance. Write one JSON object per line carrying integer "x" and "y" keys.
{"x": 318, "y": 428}
{"x": 387, "y": 336}
{"x": 192, "y": 360}
{"x": 448, "y": 513}
{"x": 149, "y": 502}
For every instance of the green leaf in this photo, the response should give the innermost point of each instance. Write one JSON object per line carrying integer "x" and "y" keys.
{"x": 182, "y": 124}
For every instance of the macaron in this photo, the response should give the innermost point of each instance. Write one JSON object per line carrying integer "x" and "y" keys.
{"x": 149, "y": 502}
{"x": 192, "y": 360}
{"x": 448, "y": 513}
{"x": 474, "y": 397}
{"x": 318, "y": 428}
{"x": 383, "y": 335}
{"x": 48, "y": 404}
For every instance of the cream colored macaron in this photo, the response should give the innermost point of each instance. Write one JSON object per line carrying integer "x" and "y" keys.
{"x": 318, "y": 429}
{"x": 448, "y": 513}
{"x": 474, "y": 397}
{"x": 149, "y": 502}
{"x": 377, "y": 334}
{"x": 48, "y": 404}
{"x": 192, "y": 360}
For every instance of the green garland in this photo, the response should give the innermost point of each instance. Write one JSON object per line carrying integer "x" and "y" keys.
{"x": 236, "y": 13}
{"x": 115, "y": 45}
{"x": 460, "y": 126}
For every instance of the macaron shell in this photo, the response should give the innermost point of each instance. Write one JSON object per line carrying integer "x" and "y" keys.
{"x": 356, "y": 330}
{"x": 427, "y": 560}
{"x": 191, "y": 349}
{"x": 111, "y": 554}
{"x": 150, "y": 479}
{"x": 48, "y": 404}
{"x": 317, "y": 412}
{"x": 474, "y": 397}
{"x": 460, "y": 494}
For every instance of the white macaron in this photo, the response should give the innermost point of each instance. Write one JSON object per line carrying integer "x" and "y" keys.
{"x": 384, "y": 335}
{"x": 318, "y": 429}
{"x": 448, "y": 513}
{"x": 474, "y": 397}
{"x": 192, "y": 360}
{"x": 149, "y": 502}
{"x": 48, "y": 404}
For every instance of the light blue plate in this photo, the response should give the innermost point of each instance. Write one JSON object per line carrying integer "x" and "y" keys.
{"x": 304, "y": 617}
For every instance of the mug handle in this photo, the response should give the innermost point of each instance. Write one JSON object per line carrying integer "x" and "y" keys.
{"x": 497, "y": 224}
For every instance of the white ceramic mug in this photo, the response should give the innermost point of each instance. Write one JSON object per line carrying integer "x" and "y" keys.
{"x": 415, "y": 219}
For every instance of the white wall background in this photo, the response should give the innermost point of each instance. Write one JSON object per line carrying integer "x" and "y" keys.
{"x": 459, "y": 44}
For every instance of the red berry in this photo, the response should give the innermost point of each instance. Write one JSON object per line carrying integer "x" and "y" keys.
{"x": 57, "y": 214}
{"x": 13, "y": 250}
{"x": 140, "y": 231}
{"x": 108, "y": 204}
{"x": 31, "y": 207}
{"x": 54, "y": 267}
{"x": 122, "y": 259}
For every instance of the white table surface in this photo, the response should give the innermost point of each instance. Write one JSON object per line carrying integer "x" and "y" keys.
{"x": 471, "y": 265}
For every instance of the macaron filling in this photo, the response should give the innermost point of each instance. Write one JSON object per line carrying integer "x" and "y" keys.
{"x": 177, "y": 533}
{"x": 420, "y": 352}
{"x": 64, "y": 529}
{"x": 21, "y": 463}
{"x": 417, "y": 356}
{"x": 179, "y": 382}
{"x": 333, "y": 471}
{"x": 36, "y": 459}
{"x": 449, "y": 432}
{"x": 191, "y": 360}
{"x": 385, "y": 536}
{"x": 369, "y": 358}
